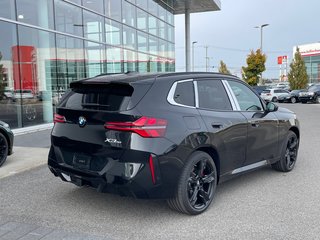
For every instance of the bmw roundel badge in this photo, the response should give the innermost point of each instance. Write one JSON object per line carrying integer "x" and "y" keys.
{"x": 82, "y": 121}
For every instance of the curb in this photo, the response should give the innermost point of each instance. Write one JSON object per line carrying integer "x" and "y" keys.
{"x": 32, "y": 129}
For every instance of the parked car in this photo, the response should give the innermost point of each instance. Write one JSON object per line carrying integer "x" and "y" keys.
{"x": 172, "y": 136}
{"x": 9, "y": 94}
{"x": 292, "y": 97}
{"x": 271, "y": 95}
{"x": 312, "y": 95}
{"x": 6, "y": 142}
{"x": 23, "y": 93}
{"x": 283, "y": 85}
{"x": 259, "y": 89}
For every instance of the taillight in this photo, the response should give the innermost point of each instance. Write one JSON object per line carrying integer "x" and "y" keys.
{"x": 145, "y": 126}
{"x": 59, "y": 118}
{"x": 268, "y": 94}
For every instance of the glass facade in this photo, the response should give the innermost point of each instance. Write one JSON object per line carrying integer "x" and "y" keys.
{"x": 313, "y": 67}
{"x": 46, "y": 44}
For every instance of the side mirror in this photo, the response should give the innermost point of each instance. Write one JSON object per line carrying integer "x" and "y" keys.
{"x": 271, "y": 107}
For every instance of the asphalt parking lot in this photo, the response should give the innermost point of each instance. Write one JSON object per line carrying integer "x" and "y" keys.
{"x": 260, "y": 205}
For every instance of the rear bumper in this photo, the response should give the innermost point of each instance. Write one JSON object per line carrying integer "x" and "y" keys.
{"x": 113, "y": 179}
{"x": 99, "y": 182}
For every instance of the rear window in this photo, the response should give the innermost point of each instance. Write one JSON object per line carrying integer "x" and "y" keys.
{"x": 111, "y": 97}
{"x": 266, "y": 91}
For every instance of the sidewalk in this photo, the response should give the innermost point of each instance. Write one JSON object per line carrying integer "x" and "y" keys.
{"x": 23, "y": 159}
{"x": 30, "y": 150}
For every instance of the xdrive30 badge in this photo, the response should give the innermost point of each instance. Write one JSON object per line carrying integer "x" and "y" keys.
{"x": 111, "y": 140}
{"x": 82, "y": 121}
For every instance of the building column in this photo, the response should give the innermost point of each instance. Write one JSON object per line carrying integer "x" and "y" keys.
{"x": 187, "y": 36}
{"x": 44, "y": 52}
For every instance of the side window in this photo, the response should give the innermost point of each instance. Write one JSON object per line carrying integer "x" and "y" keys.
{"x": 248, "y": 101}
{"x": 212, "y": 95}
{"x": 184, "y": 94}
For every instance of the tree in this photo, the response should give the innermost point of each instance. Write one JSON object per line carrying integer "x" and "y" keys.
{"x": 223, "y": 68}
{"x": 297, "y": 76}
{"x": 256, "y": 66}
{"x": 1, "y": 76}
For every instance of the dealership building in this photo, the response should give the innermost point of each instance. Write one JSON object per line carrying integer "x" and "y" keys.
{"x": 311, "y": 56}
{"x": 46, "y": 44}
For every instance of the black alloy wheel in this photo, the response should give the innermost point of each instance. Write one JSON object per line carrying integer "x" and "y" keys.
{"x": 3, "y": 149}
{"x": 289, "y": 155}
{"x": 197, "y": 185}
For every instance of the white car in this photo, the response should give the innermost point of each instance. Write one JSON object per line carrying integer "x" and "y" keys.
{"x": 23, "y": 93}
{"x": 271, "y": 95}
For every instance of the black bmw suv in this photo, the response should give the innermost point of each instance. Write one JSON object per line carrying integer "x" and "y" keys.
{"x": 173, "y": 136}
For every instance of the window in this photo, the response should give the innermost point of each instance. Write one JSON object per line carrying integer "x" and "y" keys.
{"x": 128, "y": 14}
{"x": 96, "y": 5}
{"x": 36, "y": 12}
{"x": 113, "y": 9}
{"x": 113, "y": 32}
{"x": 143, "y": 42}
{"x": 247, "y": 99}
{"x": 7, "y": 9}
{"x": 142, "y": 20}
{"x": 129, "y": 60}
{"x": 153, "y": 25}
{"x": 129, "y": 37}
{"x": 277, "y": 91}
{"x": 37, "y": 73}
{"x": 68, "y": 18}
{"x": 184, "y": 94}
{"x": 114, "y": 60}
{"x": 212, "y": 95}
{"x": 92, "y": 24}
{"x": 95, "y": 58}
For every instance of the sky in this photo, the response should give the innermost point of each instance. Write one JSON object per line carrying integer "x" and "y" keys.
{"x": 230, "y": 33}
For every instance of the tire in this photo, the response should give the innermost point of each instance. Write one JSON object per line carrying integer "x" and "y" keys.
{"x": 293, "y": 100}
{"x": 196, "y": 186}
{"x": 4, "y": 147}
{"x": 274, "y": 99}
{"x": 289, "y": 154}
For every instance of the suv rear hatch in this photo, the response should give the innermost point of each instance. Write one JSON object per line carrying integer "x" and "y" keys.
{"x": 81, "y": 137}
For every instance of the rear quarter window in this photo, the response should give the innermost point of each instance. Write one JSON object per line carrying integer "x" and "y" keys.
{"x": 184, "y": 94}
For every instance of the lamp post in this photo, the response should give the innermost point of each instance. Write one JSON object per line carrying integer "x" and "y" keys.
{"x": 261, "y": 39}
{"x": 193, "y": 43}
{"x": 261, "y": 33}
